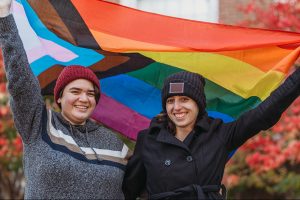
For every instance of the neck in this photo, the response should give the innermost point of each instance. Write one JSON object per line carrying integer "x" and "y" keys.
{"x": 72, "y": 122}
{"x": 182, "y": 133}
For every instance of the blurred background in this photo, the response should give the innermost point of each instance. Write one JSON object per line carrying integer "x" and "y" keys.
{"x": 266, "y": 167}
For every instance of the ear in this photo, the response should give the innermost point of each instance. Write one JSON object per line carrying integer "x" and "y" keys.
{"x": 60, "y": 95}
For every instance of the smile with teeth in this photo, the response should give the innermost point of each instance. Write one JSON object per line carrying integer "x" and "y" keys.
{"x": 179, "y": 115}
{"x": 80, "y": 107}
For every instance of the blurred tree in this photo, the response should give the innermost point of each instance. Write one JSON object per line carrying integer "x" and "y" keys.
{"x": 279, "y": 15}
{"x": 268, "y": 166}
{"x": 11, "y": 176}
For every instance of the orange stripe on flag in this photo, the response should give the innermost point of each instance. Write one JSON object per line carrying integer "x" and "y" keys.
{"x": 264, "y": 59}
{"x": 147, "y": 27}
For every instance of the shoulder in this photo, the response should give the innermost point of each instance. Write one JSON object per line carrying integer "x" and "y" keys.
{"x": 151, "y": 131}
{"x": 106, "y": 132}
{"x": 215, "y": 122}
{"x": 156, "y": 125}
{"x": 147, "y": 136}
{"x": 208, "y": 123}
{"x": 141, "y": 134}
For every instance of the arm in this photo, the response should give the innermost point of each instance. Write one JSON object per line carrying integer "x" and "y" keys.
{"x": 265, "y": 115}
{"x": 25, "y": 96}
{"x": 135, "y": 174}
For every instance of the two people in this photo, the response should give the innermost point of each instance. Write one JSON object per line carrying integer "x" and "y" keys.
{"x": 181, "y": 155}
{"x": 66, "y": 155}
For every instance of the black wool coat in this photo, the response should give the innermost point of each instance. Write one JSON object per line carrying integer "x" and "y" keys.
{"x": 169, "y": 168}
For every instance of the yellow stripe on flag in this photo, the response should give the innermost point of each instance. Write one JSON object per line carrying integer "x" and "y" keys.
{"x": 239, "y": 77}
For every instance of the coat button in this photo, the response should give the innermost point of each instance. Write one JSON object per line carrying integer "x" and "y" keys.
{"x": 189, "y": 158}
{"x": 168, "y": 162}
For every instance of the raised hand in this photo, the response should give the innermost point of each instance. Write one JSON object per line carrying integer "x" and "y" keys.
{"x": 5, "y": 7}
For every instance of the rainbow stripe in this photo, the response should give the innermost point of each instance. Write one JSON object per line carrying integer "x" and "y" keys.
{"x": 132, "y": 52}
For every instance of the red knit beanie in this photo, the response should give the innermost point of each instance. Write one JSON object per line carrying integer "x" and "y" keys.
{"x": 71, "y": 73}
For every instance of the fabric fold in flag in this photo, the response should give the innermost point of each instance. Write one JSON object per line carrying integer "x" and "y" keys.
{"x": 133, "y": 51}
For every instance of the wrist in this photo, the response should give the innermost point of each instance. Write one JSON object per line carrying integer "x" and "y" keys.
{"x": 4, "y": 12}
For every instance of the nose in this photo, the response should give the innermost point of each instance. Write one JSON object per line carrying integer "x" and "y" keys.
{"x": 177, "y": 105}
{"x": 83, "y": 97}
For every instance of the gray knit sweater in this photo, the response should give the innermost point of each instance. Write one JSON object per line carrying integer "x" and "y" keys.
{"x": 61, "y": 161}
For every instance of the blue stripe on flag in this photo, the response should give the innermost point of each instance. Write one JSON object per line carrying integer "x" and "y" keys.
{"x": 131, "y": 92}
{"x": 226, "y": 118}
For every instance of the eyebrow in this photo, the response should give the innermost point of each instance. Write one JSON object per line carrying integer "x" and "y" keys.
{"x": 76, "y": 88}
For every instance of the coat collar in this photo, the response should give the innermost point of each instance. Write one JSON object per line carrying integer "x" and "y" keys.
{"x": 203, "y": 123}
{"x": 166, "y": 137}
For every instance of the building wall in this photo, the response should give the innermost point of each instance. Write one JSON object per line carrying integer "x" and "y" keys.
{"x": 113, "y": 1}
{"x": 219, "y": 11}
{"x": 229, "y": 13}
{"x": 203, "y": 10}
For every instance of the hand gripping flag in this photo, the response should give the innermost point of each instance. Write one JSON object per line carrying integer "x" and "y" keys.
{"x": 132, "y": 52}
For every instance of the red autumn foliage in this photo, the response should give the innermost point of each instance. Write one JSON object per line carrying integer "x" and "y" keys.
{"x": 11, "y": 176}
{"x": 268, "y": 165}
{"x": 279, "y": 15}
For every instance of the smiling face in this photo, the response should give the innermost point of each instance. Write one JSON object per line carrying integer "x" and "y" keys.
{"x": 77, "y": 101}
{"x": 182, "y": 111}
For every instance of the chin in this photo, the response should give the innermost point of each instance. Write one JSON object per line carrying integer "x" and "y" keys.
{"x": 181, "y": 125}
{"x": 81, "y": 118}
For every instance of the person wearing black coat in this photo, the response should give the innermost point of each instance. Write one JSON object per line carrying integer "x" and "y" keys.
{"x": 182, "y": 155}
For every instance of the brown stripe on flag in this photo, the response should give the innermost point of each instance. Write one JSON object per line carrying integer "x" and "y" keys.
{"x": 112, "y": 64}
{"x": 109, "y": 61}
{"x": 48, "y": 78}
{"x": 49, "y": 75}
{"x": 51, "y": 19}
{"x": 136, "y": 61}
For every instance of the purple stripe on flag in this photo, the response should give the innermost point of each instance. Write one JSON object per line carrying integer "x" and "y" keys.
{"x": 119, "y": 117}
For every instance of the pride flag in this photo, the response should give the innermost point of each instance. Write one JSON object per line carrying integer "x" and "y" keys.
{"x": 132, "y": 52}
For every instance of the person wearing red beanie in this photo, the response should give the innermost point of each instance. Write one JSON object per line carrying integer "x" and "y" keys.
{"x": 77, "y": 91}
{"x": 66, "y": 155}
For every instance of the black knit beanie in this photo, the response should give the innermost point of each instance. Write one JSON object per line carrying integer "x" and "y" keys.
{"x": 185, "y": 84}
